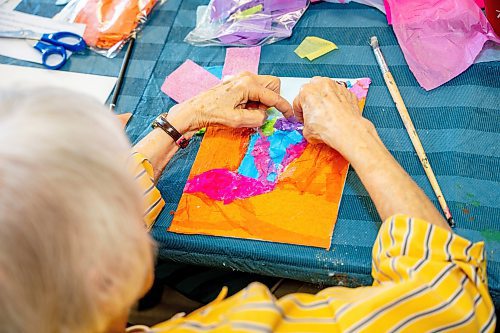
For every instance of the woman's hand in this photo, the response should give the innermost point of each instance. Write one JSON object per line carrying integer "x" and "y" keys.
{"x": 241, "y": 101}
{"x": 330, "y": 113}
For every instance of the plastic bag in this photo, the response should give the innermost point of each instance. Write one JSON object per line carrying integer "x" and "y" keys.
{"x": 246, "y": 22}
{"x": 110, "y": 23}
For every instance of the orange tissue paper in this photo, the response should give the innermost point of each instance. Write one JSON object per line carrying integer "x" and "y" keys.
{"x": 109, "y": 22}
{"x": 267, "y": 184}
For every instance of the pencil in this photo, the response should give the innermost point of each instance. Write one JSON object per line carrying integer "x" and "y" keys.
{"x": 123, "y": 69}
{"x": 405, "y": 116}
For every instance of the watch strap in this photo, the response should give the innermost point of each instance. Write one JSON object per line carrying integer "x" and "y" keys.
{"x": 161, "y": 122}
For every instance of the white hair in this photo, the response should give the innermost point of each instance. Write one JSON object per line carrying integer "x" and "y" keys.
{"x": 73, "y": 250}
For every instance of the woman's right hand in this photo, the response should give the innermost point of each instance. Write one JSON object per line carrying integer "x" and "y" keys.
{"x": 330, "y": 113}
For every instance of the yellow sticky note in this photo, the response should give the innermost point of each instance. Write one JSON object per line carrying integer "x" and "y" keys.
{"x": 314, "y": 47}
{"x": 248, "y": 12}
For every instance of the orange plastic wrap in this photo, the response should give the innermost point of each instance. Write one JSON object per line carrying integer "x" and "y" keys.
{"x": 109, "y": 22}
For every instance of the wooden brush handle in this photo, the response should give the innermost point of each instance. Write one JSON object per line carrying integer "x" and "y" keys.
{"x": 415, "y": 140}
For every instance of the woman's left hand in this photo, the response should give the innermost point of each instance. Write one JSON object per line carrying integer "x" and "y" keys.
{"x": 241, "y": 101}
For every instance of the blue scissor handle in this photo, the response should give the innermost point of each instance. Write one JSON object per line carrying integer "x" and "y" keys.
{"x": 48, "y": 50}
{"x": 75, "y": 43}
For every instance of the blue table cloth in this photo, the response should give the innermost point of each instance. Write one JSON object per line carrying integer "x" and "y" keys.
{"x": 458, "y": 123}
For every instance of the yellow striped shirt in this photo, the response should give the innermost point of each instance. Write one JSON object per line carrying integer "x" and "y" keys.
{"x": 144, "y": 176}
{"x": 426, "y": 279}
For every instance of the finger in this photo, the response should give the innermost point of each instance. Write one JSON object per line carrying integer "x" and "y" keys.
{"x": 352, "y": 97}
{"x": 262, "y": 107}
{"x": 270, "y": 98}
{"x": 310, "y": 137}
{"x": 355, "y": 102}
{"x": 324, "y": 85}
{"x": 228, "y": 78}
{"x": 255, "y": 105}
{"x": 336, "y": 86}
{"x": 342, "y": 83}
{"x": 297, "y": 108}
{"x": 316, "y": 80}
{"x": 343, "y": 88}
{"x": 307, "y": 92}
{"x": 321, "y": 81}
{"x": 269, "y": 82}
{"x": 340, "y": 91}
{"x": 249, "y": 118}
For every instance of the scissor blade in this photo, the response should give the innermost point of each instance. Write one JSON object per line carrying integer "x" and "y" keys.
{"x": 20, "y": 34}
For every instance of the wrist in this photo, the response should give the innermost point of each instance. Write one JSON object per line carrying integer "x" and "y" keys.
{"x": 180, "y": 118}
{"x": 170, "y": 130}
{"x": 353, "y": 141}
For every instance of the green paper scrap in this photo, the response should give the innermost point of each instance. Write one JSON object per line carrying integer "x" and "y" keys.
{"x": 201, "y": 131}
{"x": 314, "y": 47}
{"x": 249, "y": 12}
{"x": 272, "y": 116}
{"x": 268, "y": 127}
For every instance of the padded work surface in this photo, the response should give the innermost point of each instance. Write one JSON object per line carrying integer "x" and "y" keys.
{"x": 458, "y": 123}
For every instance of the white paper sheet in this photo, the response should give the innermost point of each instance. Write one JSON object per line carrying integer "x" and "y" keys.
{"x": 22, "y": 49}
{"x": 20, "y": 77}
{"x": 9, "y": 4}
{"x": 290, "y": 86}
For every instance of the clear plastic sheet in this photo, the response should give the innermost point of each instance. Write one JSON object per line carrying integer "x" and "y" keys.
{"x": 110, "y": 23}
{"x": 246, "y": 22}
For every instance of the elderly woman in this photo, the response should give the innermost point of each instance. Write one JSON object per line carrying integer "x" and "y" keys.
{"x": 75, "y": 256}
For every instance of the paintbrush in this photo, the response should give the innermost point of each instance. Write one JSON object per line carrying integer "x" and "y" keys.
{"x": 410, "y": 128}
{"x": 121, "y": 75}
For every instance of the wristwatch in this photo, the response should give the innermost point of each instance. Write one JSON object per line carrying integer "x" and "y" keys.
{"x": 161, "y": 122}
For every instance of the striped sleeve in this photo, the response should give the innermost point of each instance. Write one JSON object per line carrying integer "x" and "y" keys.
{"x": 448, "y": 271}
{"x": 143, "y": 175}
{"x": 405, "y": 246}
{"x": 426, "y": 279}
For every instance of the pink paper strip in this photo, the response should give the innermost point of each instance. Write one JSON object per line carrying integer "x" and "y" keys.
{"x": 240, "y": 59}
{"x": 187, "y": 81}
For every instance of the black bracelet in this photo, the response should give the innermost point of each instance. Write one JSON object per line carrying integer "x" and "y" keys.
{"x": 179, "y": 139}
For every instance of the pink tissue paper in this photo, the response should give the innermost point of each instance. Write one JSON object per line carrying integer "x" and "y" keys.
{"x": 440, "y": 38}
{"x": 240, "y": 59}
{"x": 188, "y": 80}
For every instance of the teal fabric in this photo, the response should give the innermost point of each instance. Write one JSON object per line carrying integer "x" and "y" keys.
{"x": 458, "y": 123}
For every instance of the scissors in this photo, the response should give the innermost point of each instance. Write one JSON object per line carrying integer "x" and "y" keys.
{"x": 52, "y": 46}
